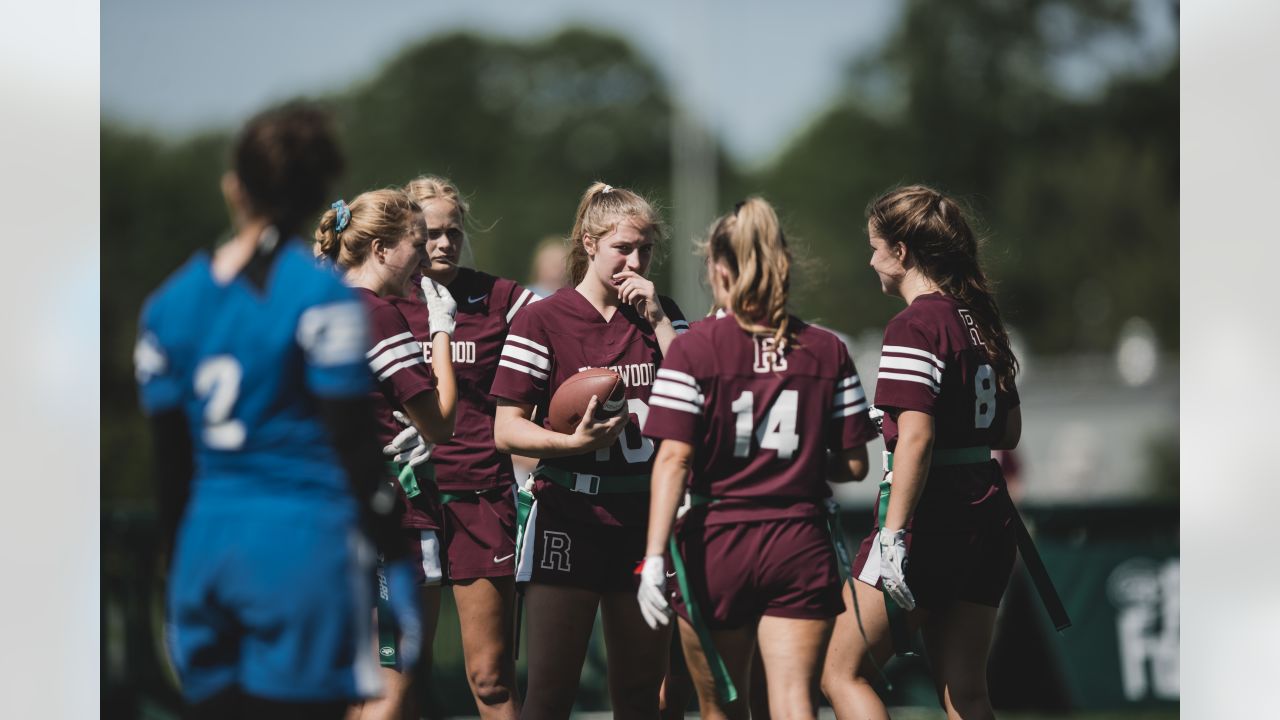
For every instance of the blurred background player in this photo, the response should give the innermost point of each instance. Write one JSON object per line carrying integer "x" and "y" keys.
{"x": 475, "y": 480}
{"x": 251, "y": 367}
{"x": 747, "y": 407}
{"x": 379, "y": 242}
{"x": 946, "y": 386}
{"x": 549, "y": 268}
{"x": 585, "y": 536}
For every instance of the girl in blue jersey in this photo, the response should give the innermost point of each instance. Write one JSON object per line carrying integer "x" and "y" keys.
{"x": 251, "y": 366}
{"x": 379, "y": 242}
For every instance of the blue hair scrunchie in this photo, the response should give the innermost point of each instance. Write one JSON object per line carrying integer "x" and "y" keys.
{"x": 344, "y": 215}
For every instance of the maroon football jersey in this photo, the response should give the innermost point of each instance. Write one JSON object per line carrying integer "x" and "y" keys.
{"x": 554, "y": 339}
{"x": 934, "y": 361}
{"x": 760, "y": 421}
{"x": 401, "y": 372}
{"x": 486, "y": 306}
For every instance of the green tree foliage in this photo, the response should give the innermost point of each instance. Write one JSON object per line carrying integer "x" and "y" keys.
{"x": 1078, "y": 198}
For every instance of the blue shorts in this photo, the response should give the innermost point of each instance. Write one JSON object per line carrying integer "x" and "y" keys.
{"x": 278, "y": 605}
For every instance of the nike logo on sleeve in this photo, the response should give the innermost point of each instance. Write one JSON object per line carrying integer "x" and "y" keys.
{"x": 504, "y": 558}
{"x": 474, "y": 300}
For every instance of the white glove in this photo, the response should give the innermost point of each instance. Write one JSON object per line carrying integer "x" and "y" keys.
{"x": 441, "y": 306}
{"x": 893, "y": 567}
{"x": 408, "y": 447}
{"x": 653, "y": 592}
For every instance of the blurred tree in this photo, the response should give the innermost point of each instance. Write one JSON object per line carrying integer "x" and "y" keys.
{"x": 1078, "y": 196}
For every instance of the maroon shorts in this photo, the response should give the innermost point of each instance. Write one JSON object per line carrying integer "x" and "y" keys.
{"x": 561, "y": 551}
{"x": 960, "y": 542}
{"x": 479, "y": 535}
{"x": 740, "y": 571}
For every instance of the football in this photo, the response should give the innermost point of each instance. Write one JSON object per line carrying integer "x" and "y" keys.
{"x": 570, "y": 401}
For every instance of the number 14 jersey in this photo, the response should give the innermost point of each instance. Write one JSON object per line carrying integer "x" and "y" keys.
{"x": 760, "y": 422}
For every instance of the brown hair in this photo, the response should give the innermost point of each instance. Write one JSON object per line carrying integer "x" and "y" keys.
{"x": 385, "y": 214}
{"x": 938, "y": 238}
{"x": 750, "y": 242}
{"x": 599, "y": 212}
{"x": 286, "y": 158}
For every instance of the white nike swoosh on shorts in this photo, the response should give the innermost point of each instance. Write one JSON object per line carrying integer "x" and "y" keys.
{"x": 504, "y": 558}
{"x": 671, "y": 574}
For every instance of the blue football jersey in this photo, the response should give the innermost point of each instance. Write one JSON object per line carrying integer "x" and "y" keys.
{"x": 246, "y": 364}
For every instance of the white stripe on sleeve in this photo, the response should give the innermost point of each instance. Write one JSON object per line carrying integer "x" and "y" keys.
{"x": 909, "y": 378}
{"x": 410, "y": 349}
{"x": 677, "y": 376}
{"x": 666, "y": 402}
{"x": 920, "y": 366}
{"x": 848, "y": 410}
{"x": 904, "y": 350}
{"x": 523, "y": 369}
{"x": 400, "y": 366}
{"x": 677, "y": 391}
{"x": 529, "y": 344}
{"x": 533, "y": 359}
{"x": 389, "y": 342}
{"x": 524, "y": 297}
{"x": 850, "y": 381}
{"x": 852, "y": 395}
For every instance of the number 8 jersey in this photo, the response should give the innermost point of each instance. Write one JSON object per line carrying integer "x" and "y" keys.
{"x": 934, "y": 361}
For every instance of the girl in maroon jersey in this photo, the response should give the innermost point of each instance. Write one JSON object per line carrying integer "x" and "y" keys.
{"x": 585, "y": 536}
{"x": 378, "y": 241}
{"x": 475, "y": 480}
{"x": 748, "y": 406}
{"x": 946, "y": 386}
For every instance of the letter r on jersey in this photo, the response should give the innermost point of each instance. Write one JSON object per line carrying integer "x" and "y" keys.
{"x": 555, "y": 550}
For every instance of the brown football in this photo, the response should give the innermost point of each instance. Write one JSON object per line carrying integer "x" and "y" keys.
{"x": 569, "y": 403}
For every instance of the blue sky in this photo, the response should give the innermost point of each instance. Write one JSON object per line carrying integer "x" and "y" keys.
{"x": 756, "y": 72}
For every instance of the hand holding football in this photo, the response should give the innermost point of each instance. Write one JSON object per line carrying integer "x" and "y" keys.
{"x": 569, "y": 403}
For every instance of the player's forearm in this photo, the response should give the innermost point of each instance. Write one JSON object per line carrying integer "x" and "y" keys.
{"x": 911, "y": 459}
{"x": 516, "y": 434}
{"x": 446, "y": 381}
{"x": 665, "y": 332}
{"x": 666, "y": 488}
{"x": 848, "y": 465}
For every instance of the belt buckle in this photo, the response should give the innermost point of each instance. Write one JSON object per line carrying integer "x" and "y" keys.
{"x": 586, "y": 484}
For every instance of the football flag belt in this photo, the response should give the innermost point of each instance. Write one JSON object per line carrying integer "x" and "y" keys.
{"x": 725, "y": 689}
{"x": 588, "y": 484}
{"x": 409, "y": 476}
{"x": 942, "y": 457}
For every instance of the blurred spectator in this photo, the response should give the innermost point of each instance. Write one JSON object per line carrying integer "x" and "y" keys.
{"x": 549, "y": 270}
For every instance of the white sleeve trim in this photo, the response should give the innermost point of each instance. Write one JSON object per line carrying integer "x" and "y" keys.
{"x": 910, "y": 378}
{"x": 920, "y": 366}
{"x": 399, "y": 366}
{"x": 524, "y": 297}
{"x": 389, "y": 342}
{"x": 529, "y": 344}
{"x": 848, "y": 410}
{"x": 666, "y": 402}
{"x": 523, "y": 369}
{"x": 676, "y": 375}
{"x": 852, "y": 380}
{"x": 677, "y": 391}
{"x": 533, "y": 359}
{"x": 386, "y": 357}
{"x": 904, "y": 350}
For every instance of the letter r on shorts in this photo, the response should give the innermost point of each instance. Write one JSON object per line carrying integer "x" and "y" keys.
{"x": 555, "y": 550}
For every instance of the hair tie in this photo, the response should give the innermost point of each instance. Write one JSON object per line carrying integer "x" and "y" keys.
{"x": 606, "y": 189}
{"x": 344, "y": 215}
